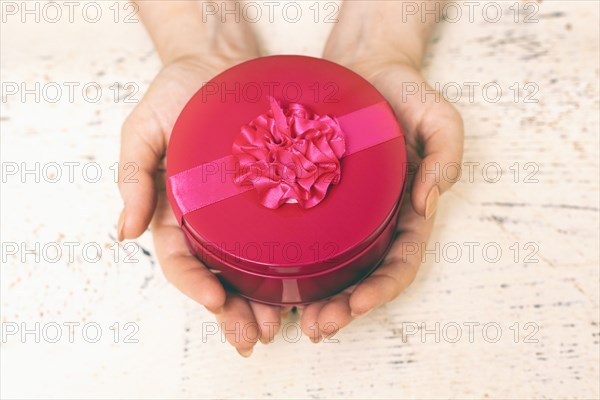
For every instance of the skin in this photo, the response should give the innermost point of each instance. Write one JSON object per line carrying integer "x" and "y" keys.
{"x": 192, "y": 53}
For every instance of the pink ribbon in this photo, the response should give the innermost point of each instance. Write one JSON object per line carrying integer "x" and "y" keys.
{"x": 214, "y": 181}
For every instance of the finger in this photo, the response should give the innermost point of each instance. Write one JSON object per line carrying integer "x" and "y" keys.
{"x": 142, "y": 148}
{"x": 268, "y": 319}
{"x": 441, "y": 133}
{"x": 180, "y": 267}
{"x": 399, "y": 268}
{"x": 239, "y": 324}
{"x": 334, "y": 315}
{"x": 309, "y": 322}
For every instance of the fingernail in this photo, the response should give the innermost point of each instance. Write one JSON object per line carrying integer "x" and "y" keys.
{"x": 431, "y": 202}
{"x": 329, "y": 335}
{"x": 120, "y": 226}
{"x": 360, "y": 315}
{"x": 216, "y": 311}
{"x": 264, "y": 340}
{"x": 245, "y": 353}
{"x": 315, "y": 339}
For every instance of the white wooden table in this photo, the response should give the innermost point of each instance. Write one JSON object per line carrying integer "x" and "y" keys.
{"x": 528, "y": 329}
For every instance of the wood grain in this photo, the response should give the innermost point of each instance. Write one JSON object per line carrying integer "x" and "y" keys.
{"x": 545, "y": 303}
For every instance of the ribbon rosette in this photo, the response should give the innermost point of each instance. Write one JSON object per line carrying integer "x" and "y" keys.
{"x": 290, "y": 155}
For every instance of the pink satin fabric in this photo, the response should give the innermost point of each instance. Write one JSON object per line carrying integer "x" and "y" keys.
{"x": 290, "y": 154}
{"x": 323, "y": 146}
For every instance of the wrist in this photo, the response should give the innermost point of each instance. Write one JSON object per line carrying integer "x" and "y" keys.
{"x": 179, "y": 30}
{"x": 379, "y": 32}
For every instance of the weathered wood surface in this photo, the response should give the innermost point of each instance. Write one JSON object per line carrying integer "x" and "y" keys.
{"x": 547, "y": 310}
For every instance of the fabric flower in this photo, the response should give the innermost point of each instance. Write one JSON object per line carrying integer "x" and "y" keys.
{"x": 290, "y": 155}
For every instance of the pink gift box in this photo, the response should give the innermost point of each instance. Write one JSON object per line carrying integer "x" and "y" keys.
{"x": 286, "y": 174}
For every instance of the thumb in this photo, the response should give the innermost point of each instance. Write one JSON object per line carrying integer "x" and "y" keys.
{"x": 441, "y": 132}
{"x": 142, "y": 148}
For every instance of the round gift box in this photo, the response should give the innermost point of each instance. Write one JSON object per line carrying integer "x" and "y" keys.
{"x": 291, "y": 253}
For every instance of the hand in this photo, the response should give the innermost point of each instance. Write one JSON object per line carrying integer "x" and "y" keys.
{"x": 434, "y": 137}
{"x": 145, "y": 135}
